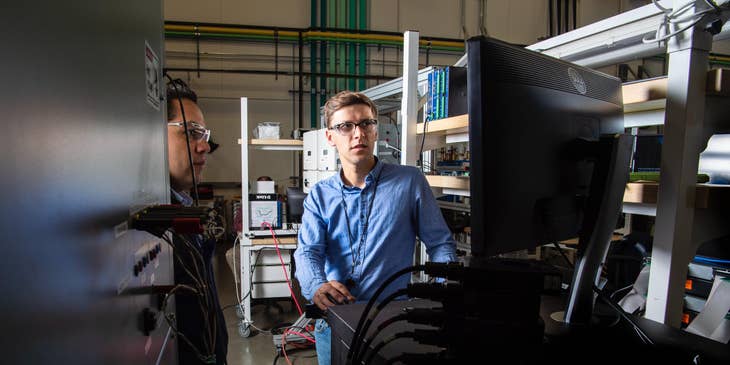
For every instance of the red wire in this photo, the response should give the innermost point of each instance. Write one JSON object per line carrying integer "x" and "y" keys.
{"x": 302, "y": 335}
{"x": 276, "y": 244}
{"x": 283, "y": 342}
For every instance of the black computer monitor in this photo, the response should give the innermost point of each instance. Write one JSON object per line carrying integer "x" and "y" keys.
{"x": 540, "y": 170}
{"x": 294, "y": 204}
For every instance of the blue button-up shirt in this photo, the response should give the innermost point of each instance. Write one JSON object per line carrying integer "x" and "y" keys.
{"x": 404, "y": 208}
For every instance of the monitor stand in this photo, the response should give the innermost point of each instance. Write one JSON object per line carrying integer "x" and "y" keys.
{"x": 611, "y": 172}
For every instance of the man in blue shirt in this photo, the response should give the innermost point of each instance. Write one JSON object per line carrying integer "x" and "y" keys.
{"x": 360, "y": 226}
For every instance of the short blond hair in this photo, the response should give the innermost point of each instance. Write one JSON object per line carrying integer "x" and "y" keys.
{"x": 344, "y": 99}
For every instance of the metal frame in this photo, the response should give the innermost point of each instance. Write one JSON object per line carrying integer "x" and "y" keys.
{"x": 683, "y": 123}
{"x": 246, "y": 236}
{"x": 409, "y": 102}
{"x": 615, "y": 39}
{"x": 618, "y": 39}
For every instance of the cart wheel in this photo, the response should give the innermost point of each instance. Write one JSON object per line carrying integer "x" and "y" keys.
{"x": 244, "y": 330}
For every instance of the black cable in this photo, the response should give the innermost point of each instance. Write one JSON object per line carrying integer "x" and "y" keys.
{"x": 371, "y": 318}
{"x": 560, "y": 249}
{"x": 620, "y": 290}
{"x": 395, "y": 123}
{"x": 395, "y": 360}
{"x": 380, "y": 328}
{"x": 250, "y": 276}
{"x": 205, "y": 294}
{"x": 187, "y": 138}
{"x": 559, "y": 21}
{"x": 371, "y": 302}
{"x": 205, "y": 300}
{"x": 550, "y": 18}
{"x": 575, "y": 14}
{"x": 383, "y": 343}
{"x": 276, "y": 358}
{"x": 642, "y": 335}
{"x": 168, "y": 319}
{"x": 423, "y": 141}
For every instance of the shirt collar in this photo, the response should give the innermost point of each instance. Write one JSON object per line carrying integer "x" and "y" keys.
{"x": 372, "y": 175}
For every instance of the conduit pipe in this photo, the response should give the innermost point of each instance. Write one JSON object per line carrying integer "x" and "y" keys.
{"x": 293, "y": 35}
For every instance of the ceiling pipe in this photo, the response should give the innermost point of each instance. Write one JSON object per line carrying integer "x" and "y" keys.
{"x": 293, "y": 34}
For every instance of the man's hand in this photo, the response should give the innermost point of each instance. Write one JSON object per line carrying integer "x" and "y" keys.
{"x": 331, "y": 294}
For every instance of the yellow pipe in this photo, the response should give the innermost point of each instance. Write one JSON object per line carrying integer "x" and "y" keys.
{"x": 229, "y": 30}
{"x": 313, "y": 33}
{"x": 392, "y": 38}
{"x": 719, "y": 58}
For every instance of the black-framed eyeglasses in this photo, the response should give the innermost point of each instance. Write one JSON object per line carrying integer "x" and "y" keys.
{"x": 346, "y": 128}
{"x": 197, "y": 132}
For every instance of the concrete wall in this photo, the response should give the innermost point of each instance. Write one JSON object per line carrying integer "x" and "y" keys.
{"x": 521, "y": 22}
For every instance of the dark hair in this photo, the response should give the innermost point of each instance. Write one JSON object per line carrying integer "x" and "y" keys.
{"x": 344, "y": 99}
{"x": 174, "y": 88}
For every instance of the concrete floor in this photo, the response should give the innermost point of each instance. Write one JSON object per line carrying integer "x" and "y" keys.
{"x": 258, "y": 348}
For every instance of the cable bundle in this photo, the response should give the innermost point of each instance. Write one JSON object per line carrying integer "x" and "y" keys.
{"x": 500, "y": 297}
{"x": 713, "y": 14}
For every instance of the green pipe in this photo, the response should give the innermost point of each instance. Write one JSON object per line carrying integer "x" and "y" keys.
{"x": 341, "y": 48}
{"x": 294, "y": 39}
{"x": 363, "y": 49}
{"x": 322, "y": 54}
{"x": 332, "y": 48}
{"x": 351, "y": 50}
{"x": 313, "y": 109}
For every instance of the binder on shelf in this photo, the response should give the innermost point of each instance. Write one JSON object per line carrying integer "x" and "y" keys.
{"x": 446, "y": 93}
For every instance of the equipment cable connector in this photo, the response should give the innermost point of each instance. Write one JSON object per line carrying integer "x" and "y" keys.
{"x": 159, "y": 218}
{"x": 448, "y": 270}
{"x": 431, "y": 337}
{"x": 434, "y": 291}
{"x": 429, "y": 316}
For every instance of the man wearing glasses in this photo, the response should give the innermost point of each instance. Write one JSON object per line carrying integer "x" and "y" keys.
{"x": 360, "y": 226}
{"x": 201, "y": 327}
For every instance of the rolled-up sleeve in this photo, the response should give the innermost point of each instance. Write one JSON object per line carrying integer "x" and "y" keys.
{"x": 432, "y": 228}
{"x": 311, "y": 248}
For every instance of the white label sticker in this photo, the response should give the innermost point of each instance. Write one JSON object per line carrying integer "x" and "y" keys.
{"x": 152, "y": 75}
{"x": 120, "y": 229}
{"x": 152, "y": 279}
{"x": 123, "y": 285}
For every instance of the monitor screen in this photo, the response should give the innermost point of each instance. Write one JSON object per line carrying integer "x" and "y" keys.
{"x": 648, "y": 153}
{"x": 526, "y": 113}
{"x": 294, "y": 204}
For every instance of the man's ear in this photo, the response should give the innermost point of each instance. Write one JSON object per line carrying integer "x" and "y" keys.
{"x": 330, "y": 137}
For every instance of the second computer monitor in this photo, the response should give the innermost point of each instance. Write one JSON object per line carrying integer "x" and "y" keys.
{"x": 528, "y": 114}
{"x": 294, "y": 204}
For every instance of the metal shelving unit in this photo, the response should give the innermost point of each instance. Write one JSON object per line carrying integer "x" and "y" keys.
{"x": 680, "y": 227}
{"x": 265, "y": 279}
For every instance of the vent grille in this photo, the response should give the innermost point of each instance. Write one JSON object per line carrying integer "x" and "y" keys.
{"x": 517, "y": 65}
